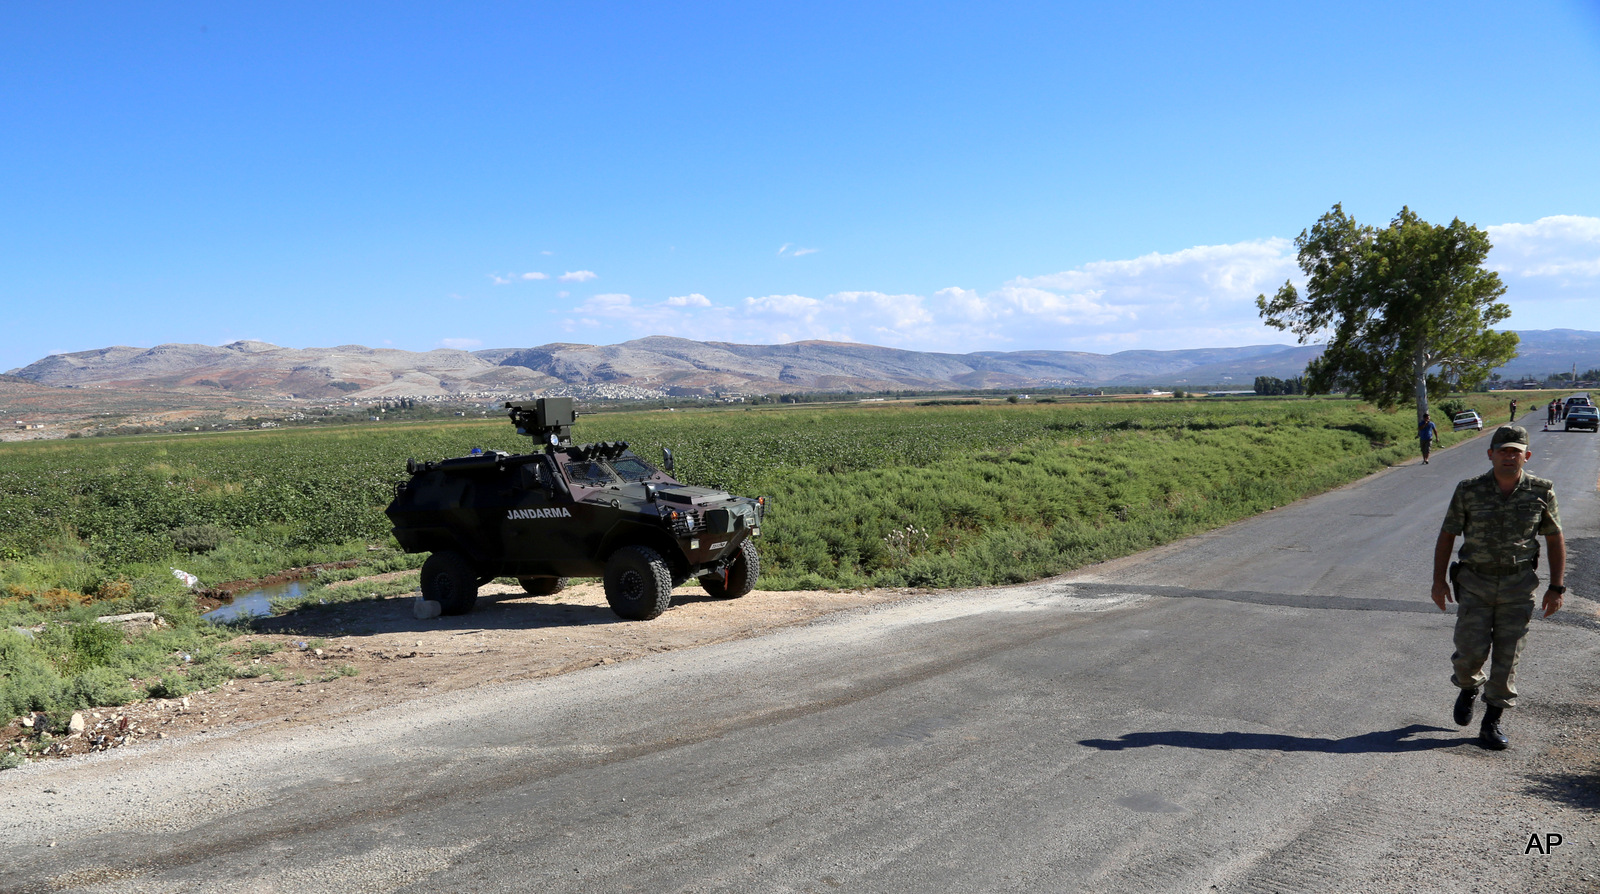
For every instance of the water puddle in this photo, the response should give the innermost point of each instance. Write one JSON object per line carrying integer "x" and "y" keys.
{"x": 254, "y": 603}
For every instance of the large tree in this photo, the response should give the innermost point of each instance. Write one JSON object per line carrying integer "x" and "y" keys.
{"x": 1407, "y": 310}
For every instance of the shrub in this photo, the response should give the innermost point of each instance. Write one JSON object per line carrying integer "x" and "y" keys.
{"x": 169, "y": 686}
{"x": 111, "y": 590}
{"x": 1450, "y": 408}
{"x": 93, "y": 645}
{"x": 27, "y": 681}
{"x": 198, "y": 538}
{"x": 100, "y": 686}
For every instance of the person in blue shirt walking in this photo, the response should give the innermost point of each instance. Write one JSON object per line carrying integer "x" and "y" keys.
{"x": 1427, "y": 433}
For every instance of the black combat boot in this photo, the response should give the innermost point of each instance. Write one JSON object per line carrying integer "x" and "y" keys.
{"x": 1489, "y": 736}
{"x": 1464, "y": 706}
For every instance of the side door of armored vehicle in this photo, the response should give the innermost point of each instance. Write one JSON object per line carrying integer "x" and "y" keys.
{"x": 595, "y": 508}
{"x": 539, "y": 531}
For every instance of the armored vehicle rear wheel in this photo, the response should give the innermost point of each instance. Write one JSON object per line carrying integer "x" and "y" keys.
{"x": 638, "y": 583}
{"x": 742, "y": 574}
{"x": 543, "y": 586}
{"x": 449, "y": 579}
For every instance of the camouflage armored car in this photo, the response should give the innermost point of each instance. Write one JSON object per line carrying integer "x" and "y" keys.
{"x": 595, "y": 510}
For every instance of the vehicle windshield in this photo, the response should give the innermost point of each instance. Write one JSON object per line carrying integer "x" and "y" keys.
{"x": 599, "y": 473}
{"x": 589, "y": 474}
{"x": 632, "y": 468}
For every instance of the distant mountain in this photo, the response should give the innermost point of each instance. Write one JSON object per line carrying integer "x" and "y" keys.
{"x": 661, "y": 365}
{"x": 1545, "y": 351}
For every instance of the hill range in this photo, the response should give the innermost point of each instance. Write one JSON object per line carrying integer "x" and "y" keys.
{"x": 661, "y": 366}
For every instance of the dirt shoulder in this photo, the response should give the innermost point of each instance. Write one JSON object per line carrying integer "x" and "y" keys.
{"x": 348, "y": 657}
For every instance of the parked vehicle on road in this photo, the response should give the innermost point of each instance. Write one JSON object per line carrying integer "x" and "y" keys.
{"x": 1583, "y": 417}
{"x": 1467, "y": 420}
{"x": 595, "y": 510}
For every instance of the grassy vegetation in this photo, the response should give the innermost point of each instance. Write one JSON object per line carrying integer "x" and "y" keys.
{"x": 865, "y": 496}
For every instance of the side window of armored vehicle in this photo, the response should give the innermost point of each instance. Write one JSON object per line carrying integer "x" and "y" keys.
{"x": 536, "y": 476}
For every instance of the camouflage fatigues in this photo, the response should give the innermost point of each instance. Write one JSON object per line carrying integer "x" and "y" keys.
{"x": 1496, "y": 579}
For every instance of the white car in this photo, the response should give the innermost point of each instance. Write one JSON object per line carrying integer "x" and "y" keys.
{"x": 1469, "y": 419}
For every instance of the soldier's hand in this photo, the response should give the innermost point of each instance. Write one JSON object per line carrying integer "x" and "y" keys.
{"x": 1442, "y": 595}
{"x": 1552, "y": 603}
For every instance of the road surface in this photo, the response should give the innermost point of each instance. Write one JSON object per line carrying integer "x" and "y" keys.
{"x": 1262, "y": 708}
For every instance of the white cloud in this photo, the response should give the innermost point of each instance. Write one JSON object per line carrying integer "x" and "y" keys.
{"x": 692, "y": 300}
{"x": 784, "y": 305}
{"x": 1551, "y": 269}
{"x": 606, "y": 304}
{"x": 887, "y": 312}
{"x": 578, "y": 276}
{"x": 510, "y": 278}
{"x": 805, "y": 251}
{"x": 461, "y": 344}
{"x": 785, "y": 247}
{"x": 1562, "y": 247}
{"x": 1196, "y": 297}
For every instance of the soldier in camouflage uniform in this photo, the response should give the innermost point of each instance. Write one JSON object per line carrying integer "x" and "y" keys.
{"x": 1498, "y": 515}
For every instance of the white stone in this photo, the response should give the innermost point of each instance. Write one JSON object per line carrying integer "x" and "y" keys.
{"x": 76, "y": 724}
{"x": 425, "y": 609}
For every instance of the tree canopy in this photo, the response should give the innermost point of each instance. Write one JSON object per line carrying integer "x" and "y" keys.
{"x": 1407, "y": 310}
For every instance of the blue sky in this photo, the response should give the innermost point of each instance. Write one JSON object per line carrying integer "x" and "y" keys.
{"x": 953, "y": 177}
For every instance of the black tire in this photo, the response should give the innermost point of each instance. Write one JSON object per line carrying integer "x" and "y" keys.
{"x": 742, "y": 574}
{"x": 542, "y": 586}
{"x": 638, "y": 583}
{"x": 449, "y": 579}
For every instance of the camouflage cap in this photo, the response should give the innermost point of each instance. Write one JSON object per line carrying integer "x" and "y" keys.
{"x": 1510, "y": 436}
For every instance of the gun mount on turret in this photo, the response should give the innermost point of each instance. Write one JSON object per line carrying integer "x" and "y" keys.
{"x": 595, "y": 510}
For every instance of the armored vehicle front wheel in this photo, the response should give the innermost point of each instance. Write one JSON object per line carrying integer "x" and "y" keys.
{"x": 638, "y": 583}
{"x": 543, "y": 586}
{"x": 741, "y": 575}
{"x": 449, "y": 579}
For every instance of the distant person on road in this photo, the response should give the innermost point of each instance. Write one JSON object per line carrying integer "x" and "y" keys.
{"x": 1550, "y": 418}
{"x": 1513, "y": 410}
{"x": 1427, "y": 433}
{"x": 1498, "y": 515}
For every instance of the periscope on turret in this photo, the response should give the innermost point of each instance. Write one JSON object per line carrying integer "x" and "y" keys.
{"x": 565, "y": 510}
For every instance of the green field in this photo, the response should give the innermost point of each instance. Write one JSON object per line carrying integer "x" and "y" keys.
{"x": 877, "y": 495}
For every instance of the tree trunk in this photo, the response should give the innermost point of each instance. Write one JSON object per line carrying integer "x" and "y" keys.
{"x": 1419, "y": 377}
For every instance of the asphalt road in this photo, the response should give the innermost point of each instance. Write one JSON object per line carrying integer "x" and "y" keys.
{"x": 1263, "y": 708}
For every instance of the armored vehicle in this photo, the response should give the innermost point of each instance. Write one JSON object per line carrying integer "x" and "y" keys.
{"x": 595, "y": 510}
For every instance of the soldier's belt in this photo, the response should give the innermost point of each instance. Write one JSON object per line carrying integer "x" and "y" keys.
{"x": 1503, "y": 570}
